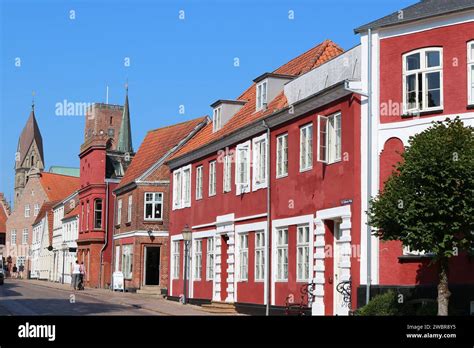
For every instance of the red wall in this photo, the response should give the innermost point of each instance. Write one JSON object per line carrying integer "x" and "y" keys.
{"x": 453, "y": 39}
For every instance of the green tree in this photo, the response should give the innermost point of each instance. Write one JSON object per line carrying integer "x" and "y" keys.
{"x": 428, "y": 201}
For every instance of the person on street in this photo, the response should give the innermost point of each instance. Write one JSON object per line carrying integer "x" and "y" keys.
{"x": 15, "y": 270}
{"x": 21, "y": 269}
{"x": 76, "y": 273}
{"x": 82, "y": 275}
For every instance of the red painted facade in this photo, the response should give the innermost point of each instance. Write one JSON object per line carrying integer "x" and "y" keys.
{"x": 453, "y": 40}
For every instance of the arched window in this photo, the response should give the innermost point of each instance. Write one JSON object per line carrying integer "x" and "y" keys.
{"x": 423, "y": 80}
{"x": 98, "y": 213}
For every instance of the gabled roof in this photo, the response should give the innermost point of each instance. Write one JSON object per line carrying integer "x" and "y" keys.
{"x": 45, "y": 208}
{"x": 156, "y": 145}
{"x": 74, "y": 212}
{"x": 29, "y": 134}
{"x": 58, "y": 186}
{"x": 4, "y": 212}
{"x": 421, "y": 10}
{"x": 247, "y": 114}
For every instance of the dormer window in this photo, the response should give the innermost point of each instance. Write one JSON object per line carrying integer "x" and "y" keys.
{"x": 217, "y": 119}
{"x": 262, "y": 95}
{"x": 423, "y": 80}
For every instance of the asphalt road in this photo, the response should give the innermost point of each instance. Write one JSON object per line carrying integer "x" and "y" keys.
{"x": 19, "y": 297}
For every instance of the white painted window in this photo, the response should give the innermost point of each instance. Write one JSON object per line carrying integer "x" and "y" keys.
{"x": 282, "y": 254}
{"x": 242, "y": 168}
{"x": 127, "y": 261}
{"x": 153, "y": 206}
{"x": 470, "y": 71}
{"x": 182, "y": 187}
{"x": 329, "y": 138}
{"x": 97, "y": 213}
{"x": 197, "y": 259}
{"x": 244, "y": 256}
{"x": 302, "y": 253}
{"x": 259, "y": 255}
{"x": 177, "y": 186}
{"x": 423, "y": 80}
{"x": 176, "y": 259}
{"x": 187, "y": 186}
{"x": 37, "y": 208}
{"x": 210, "y": 259}
{"x": 130, "y": 207}
{"x": 282, "y": 156}
{"x": 212, "y": 178}
{"x": 217, "y": 119}
{"x": 261, "y": 95}
{"x": 259, "y": 178}
{"x": 227, "y": 173}
{"x": 27, "y": 210}
{"x": 24, "y": 239}
{"x": 199, "y": 182}
{"x": 306, "y": 147}
{"x": 119, "y": 212}
{"x": 13, "y": 236}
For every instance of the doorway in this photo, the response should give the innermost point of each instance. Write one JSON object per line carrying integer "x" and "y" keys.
{"x": 339, "y": 305}
{"x": 152, "y": 266}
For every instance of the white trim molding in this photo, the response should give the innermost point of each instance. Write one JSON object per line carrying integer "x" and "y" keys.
{"x": 141, "y": 234}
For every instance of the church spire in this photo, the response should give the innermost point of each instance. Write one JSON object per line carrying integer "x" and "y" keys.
{"x": 125, "y": 135}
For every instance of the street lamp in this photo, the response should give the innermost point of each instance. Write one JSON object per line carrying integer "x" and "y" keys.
{"x": 64, "y": 248}
{"x": 187, "y": 236}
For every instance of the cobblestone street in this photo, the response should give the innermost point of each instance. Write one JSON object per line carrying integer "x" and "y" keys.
{"x": 32, "y": 297}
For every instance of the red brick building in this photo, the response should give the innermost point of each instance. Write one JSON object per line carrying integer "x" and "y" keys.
{"x": 104, "y": 157}
{"x": 4, "y": 213}
{"x": 271, "y": 190}
{"x": 142, "y": 209}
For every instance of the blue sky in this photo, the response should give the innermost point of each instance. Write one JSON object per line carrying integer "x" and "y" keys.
{"x": 173, "y": 61}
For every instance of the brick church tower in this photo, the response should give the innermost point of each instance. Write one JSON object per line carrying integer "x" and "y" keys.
{"x": 104, "y": 157}
{"x": 29, "y": 154}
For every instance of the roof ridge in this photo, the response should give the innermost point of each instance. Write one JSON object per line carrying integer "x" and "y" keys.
{"x": 176, "y": 124}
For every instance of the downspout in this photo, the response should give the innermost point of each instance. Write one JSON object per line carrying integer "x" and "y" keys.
{"x": 267, "y": 235}
{"x": 369, "y": 162}
{"x": 112, "y": 263}
{"x": 106, "y": 207}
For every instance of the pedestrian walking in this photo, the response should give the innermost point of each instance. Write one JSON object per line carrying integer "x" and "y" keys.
{"x": 15, "y": 271}
{"x": 21, "y": 269}
{"x": 76, "y": 273}
{"x": 82, "y": 276}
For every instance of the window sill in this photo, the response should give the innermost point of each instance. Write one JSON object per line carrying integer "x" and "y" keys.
{"x": 422, "y": 113}
{"x": 282, "y": 176}
{"x": 128, "y": 223}
{"x": 306, "y": 169}
{"x": 156, "y": 221}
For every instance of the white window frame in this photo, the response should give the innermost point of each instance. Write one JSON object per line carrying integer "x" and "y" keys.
{"x": 282, "y": 155}
{"x": 176, "y": 259}
{"x": 129, "y": 210}
{"x": 212, "y": 178}
{"x": 198, "y": 259}
{"x": 243, "y": 257}
{"x": 306, "y": 147}
{"x": 119, "y": 211}
{"x": 217, "y": 119}
{"x": 156, "y": 198}
{"x": 259, "y": 160}
{"x": 259, "y": 256}
{"x": 36, "y": 209}
{"x": 182, "y": 187}
{"x": 302, "y": 258}
{"x": 210, "y": 258}
{"x": 330, "y": 138}
{"x": 281, "y": 254}
{"x": 470, "y": 72}
{"x": 13, "y": 237}
{"x": 199, "y": 183}
{"x": 27, "y": 210}
{"x": 262, "y": 94}
{"x": 24, "y": 236}
{"x": 242, "y": 187}
{"x": 127, "y": 261}
{"x": 227, "y": 173}
{"x": 423, "y": 70}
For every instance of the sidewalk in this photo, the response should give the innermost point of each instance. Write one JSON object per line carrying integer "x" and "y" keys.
{"x": 151, "y": 303}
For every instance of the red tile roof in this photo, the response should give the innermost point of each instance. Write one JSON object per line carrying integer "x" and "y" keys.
{"x": 45, "y": 208}
{"x": 297, "y": 66}
{"x": 72, "y": 213}
{"x": 155, "y": 145}
{"x": 3, "y": 218}
{"x": 57, "y": 186}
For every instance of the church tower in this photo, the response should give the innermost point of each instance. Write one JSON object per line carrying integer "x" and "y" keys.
{"x": 29, "y": 153}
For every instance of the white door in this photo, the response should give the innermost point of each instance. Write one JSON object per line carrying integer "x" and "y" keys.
{"x": 340, "y": 306}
